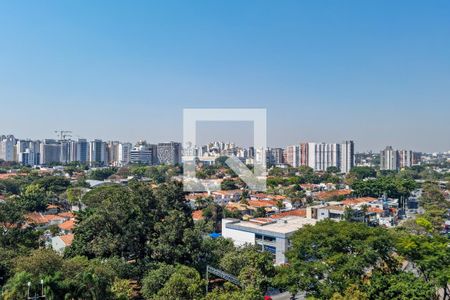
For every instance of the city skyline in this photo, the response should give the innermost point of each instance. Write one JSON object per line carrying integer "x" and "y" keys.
{"x": 211, "y": 141}
{"x": 375, "y": 73}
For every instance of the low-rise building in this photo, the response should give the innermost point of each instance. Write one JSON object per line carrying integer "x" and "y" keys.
{"x": 269, "y": 234}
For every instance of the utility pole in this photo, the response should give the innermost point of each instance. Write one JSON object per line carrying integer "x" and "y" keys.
{"x": 36, "y": 297}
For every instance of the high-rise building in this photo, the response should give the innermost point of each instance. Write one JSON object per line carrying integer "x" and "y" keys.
{"x": 124, "y": 153}
{"x": 304, "y": 154}
{"x": 97, "y": 152}
{"x": 170, "y": 153}
{"x": 7, "y": 144}
{"x": 275, "y": 156}
{"x": 50, "y": 152}
{"x": 406, "y": 158}
{"x": 321, "y": 156}
{"x": 347, "y": 156}
{"x": 82, "y": 152}
{"x": 389, "y": 159}
{"x": 293, "y": 155}
{"x": 27, "y": 152}
{"x": 142, "y": 153}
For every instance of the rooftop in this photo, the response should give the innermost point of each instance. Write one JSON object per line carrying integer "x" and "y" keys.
{"x": 296, "y": 212}
{"x": 277, "y": 227}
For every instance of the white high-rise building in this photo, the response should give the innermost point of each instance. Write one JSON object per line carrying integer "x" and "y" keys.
{"x": 124, "y": 153}
{"x": 7, "y": 144}
{"x": 389, "y": 159}
{"x": 142, "y": 153}
{"x": 405, "y": 158}
{"x": 28, "y": 152}
{"x": 323, "y": 155}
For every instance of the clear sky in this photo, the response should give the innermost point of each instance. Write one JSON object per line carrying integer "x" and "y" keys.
{"x": 377, "y": 72}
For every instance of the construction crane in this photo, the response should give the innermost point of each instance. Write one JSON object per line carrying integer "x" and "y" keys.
{"x": 63, "y": 134}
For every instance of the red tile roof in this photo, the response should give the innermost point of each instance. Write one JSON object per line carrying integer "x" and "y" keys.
{"x": 329, "y": 194}
{"x": 67, "y": 239}
{"x": 262, "y": 203}
{"x": 68, "y": 215}
{"x": 38, "y": 218}
{"x": 68, "y": 225}
{"x": 197, "y": 215}
{"x": 356, "y": 201}
{"x": 296, "y": 212}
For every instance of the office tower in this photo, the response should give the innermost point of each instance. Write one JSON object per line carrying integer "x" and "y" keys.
{"x": 124, "y": 153}
{"x": 347, "y": 156}
{"x": 7, "y": 144}
{"x": 50, "y": 152}
{"x": 82, "y": 152}
{"x": 389, "y": 159}
{"x": 142, "y": 153}
{"x": 97, "y": 152}
{"x": 293, "y": 155}
{"x": 169, "y": 153}
{"x": 405, "y": 158}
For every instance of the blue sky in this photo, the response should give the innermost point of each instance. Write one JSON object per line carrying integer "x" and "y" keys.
{"x": 377, "y": 72}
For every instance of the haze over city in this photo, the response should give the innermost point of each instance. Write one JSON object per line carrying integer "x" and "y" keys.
{"x": 376, "y": 73}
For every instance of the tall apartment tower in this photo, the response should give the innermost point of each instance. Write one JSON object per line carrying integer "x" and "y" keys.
{"x": 405, "y": 158}
{"x": 389, "y": 159}
{"x": 7, "y": 144}
{"x": 347, "y": 156}
{"x": 293, "y": 156}
{"x": 275, "y": 156}
{"x": 169, "y": 153}
{"x": 323, "y": 155}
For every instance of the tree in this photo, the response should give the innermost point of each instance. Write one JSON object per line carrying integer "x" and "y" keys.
{"x": 102, "y": 174}
{"x": 431, "y": 256}
{"x": 74, "y": 196}
{"x": 398, "y": 286}
{"x": 228, "y": 184}
{"x": 121, "y": 289}
{"x": 173, "y": 282}
{"x": 16, "y": 287}
{"x": 34, "y": 198}
{"x": 329, "y": 257}
{"x": 39, "y": 263}
{"x": 116, "y": 223}
{"x": 253, "y": 267}
{"x": 155, "y": 279}
{"x": 333, "y": 169}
